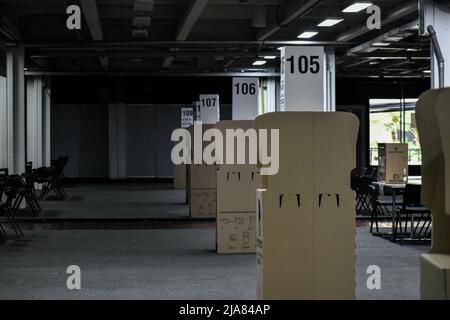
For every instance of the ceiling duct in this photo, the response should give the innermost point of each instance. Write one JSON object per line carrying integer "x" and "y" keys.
{"x": 144, "y": 5}
{"x": 141, "y": 22}
{"x": 140, "y": 34}
{"x": 259, "y": 17}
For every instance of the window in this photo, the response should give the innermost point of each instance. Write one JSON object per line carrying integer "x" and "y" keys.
{"x": 393, "y": 121}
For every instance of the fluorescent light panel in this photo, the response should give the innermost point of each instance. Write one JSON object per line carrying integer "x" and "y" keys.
{"x": 259, "y": 62}
{"x": 357, "y": 7}
{"x": 330, "y": 22}
{"x": 270, "y": 57}
{"x": 381, "y": 44}
{"x": 307, "y": 35}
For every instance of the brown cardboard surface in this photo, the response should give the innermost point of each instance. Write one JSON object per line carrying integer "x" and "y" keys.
{"x": 202, "y": 176}
{"x": 225, "y": 125}
{"x": 179, "y": 176}
{"x": 443, "y": 117}
{"x": 285, "y": 247}
{"x": 236, "y": 188}
{"x": 296, "y": 142}
{"x": 236, "y": 232}
{"x": 305, "y": 217}
{"x": 433, "y": 169}
{"x": 435, "y": 277}
{"x": 392, "y": 162}
{"x": 203, "y": 203}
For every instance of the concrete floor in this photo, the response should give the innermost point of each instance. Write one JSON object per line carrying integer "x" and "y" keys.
{"x": 160, "y": 263}
{"x": 170, "y": 264}
{"x": 116, "y": 201}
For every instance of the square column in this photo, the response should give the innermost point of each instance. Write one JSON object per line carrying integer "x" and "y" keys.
{"x": 15, "y": 110}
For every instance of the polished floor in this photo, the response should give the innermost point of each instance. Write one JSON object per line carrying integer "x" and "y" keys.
{"x": 162, "y": 263}
{"x": 117, "y": 201}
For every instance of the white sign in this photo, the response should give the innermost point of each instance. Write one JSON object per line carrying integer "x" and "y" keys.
{"x": 209, "y": 108}
{"x": 187, "y": 117}
{"x": 245, "y": 98}
{"x": 303, "y": 79}
{"x": 196, "y": 111}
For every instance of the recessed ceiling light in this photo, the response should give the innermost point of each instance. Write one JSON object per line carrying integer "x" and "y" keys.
{"x": 140, "y": 22}
{"x": 394, "y": 39}
{"x": 427, "y": 71}
{"x": 279, "y": 48}
{"x": 374, "y": 62}
{"x": 144, "y": 5}
{"x": 330, "y": 22}
{"x": 270, "y": 57}
{"x": 381, "y": 44}
{"x": 307, "y": 35}
{"x": 259, "y": 62}
{"x": 357, "y": 7}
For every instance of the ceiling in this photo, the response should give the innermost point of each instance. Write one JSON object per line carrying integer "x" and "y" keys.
{"x": 204, "y": 36}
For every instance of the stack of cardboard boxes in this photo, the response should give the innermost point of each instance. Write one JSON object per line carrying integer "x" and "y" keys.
{"x": 393, "y": 162}
{"x": 202, "y": 186}
{"x": 432, "y": 114}
{"x": 179, "y": 176}
{"x": 236, "y": 205}
{"x": 306, "y": 212}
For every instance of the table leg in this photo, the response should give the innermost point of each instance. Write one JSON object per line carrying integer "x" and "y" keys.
{"x": 394, "y": 205}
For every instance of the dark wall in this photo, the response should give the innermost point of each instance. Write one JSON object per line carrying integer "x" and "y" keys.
{"x": 133, "y": 89}
{"x": 353, "y": 94}
{"x": 358, "y": 91}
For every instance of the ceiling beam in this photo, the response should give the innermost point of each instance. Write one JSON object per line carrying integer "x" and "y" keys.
{"x": 291, "y": 15}
{"x": 8, "y": 29}
{"x": 394, "y": 15}
{"x": 161, "y": 74}
{"x": 393, "y": 32}
{"x": 193, "y": 13}
{"x": 90, "y": 12}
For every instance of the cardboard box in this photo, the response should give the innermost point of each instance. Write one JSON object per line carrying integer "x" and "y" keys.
{"x": 236, "y": 188}
{"x": 202, "y": 203}
{"x": 392, "y": 162}
{"x": 236, "y": 232}
{"x": 236, "y": 208}
{"x": 443, "y": 114}
{"x": 236, "y": 193}
{"x": 434, "y": 135}
{"x": 179, "y": 176}
{"x": 202, "y": 176}
{"x": 435, "y": 277}
{"x": 306, "y": 212}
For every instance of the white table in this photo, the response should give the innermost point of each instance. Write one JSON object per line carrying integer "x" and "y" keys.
{"x": 394, "y": 187}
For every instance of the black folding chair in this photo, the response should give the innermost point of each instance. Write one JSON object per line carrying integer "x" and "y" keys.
{"x": 380, "y": 207}
{"x": 7, "y": 188}
{"x": 53, "y": 178}
{"x": 411, "y": 209}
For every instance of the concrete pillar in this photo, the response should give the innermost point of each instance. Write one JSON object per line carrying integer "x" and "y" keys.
{"x": 15, "y": 109}
{"x": 117, "y": 141}
{"x": 46, "y": 123}
{"x": 3, "y": 125}
{"x": 438, "y": 16}
{"x": 34, "y": 120}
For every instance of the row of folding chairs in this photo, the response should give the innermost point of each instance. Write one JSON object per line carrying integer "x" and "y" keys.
{"x": 14, "y": 189}
{"x": 361, "y": 180}
{"x": 409, "y": 212}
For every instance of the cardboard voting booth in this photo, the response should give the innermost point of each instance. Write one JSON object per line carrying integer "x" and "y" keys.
{"x": 236, "y": 205}
{"x": 201, "y": 181}
{"x": 432, "y": 114}
{"x": 393, "y": 162}
{"x": 179, "y": 176}
{"x": 306, "y": 212}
